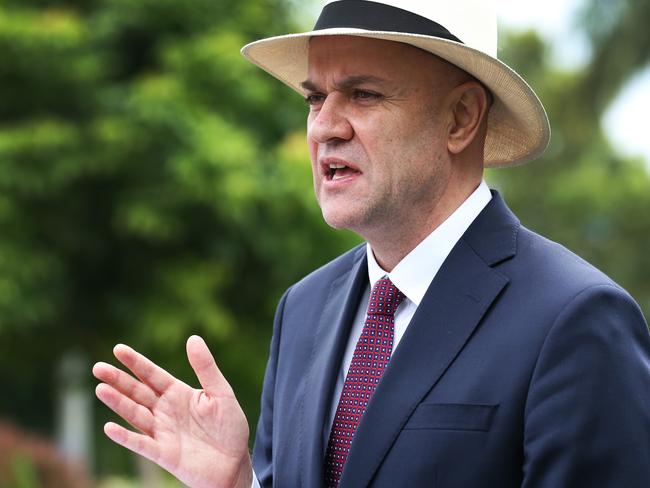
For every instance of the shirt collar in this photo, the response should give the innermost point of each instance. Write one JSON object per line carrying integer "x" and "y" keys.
{"x": 415, "y": 272}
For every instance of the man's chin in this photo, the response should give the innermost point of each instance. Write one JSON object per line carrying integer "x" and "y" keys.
{"x": 335, "y": 223}
{"x": 340, "y": 219}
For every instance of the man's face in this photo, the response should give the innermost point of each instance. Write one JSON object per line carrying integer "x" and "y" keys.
{"x": 377, "y": 131}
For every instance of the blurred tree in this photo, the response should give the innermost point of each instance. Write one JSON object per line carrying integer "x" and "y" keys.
{"x": 620, "y": 44}
{"x": 583, "y": 193}
{"x": 27, "y": 461}
{"x": 151, "y": 186}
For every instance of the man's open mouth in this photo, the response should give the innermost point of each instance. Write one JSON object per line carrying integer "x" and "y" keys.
{"x": 338, "y": 171}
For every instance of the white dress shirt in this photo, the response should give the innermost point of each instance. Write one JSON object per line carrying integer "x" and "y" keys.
{"x": 412, "y": 276}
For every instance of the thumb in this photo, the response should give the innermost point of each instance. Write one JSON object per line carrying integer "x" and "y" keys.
{"x": 205, "y": 367}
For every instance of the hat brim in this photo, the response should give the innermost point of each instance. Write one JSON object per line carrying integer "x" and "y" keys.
{"x": 518, "y": 127}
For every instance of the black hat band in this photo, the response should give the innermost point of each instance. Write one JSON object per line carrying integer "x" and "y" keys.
{"x": 373, "y": 16}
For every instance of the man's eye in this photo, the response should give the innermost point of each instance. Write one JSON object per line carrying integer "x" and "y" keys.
{"x": 314, "y": 99}
{"x": 365, "y": 95}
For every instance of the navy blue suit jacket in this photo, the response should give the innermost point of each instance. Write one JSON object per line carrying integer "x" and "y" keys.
{"x": 523, "y": 366}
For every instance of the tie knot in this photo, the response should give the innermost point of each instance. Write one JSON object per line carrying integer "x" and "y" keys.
{"x": 385, "y": 297}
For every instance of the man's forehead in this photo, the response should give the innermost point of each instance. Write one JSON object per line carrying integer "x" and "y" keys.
{"x": 371, "y": 56}
{"x": 350, "y": 60}
{"x": 355, "y": 45}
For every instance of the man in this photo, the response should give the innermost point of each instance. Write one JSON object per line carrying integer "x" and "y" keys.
{"x": 456, "y": 348}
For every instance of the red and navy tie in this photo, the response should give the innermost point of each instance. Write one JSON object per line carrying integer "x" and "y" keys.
{"x": 370, "y": 358}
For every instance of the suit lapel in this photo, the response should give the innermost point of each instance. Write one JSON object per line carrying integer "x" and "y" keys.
{"x": 331, "y": 337}
{"x": 453, "y": 306}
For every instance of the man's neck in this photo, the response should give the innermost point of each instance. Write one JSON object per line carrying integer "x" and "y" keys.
{"x": 390, "y": 245}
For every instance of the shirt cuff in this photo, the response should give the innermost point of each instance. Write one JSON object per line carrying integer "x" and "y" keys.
{"x": 255, "y": 484}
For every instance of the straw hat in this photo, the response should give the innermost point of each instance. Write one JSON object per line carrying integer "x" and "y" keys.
{"x": 463, "y": 32}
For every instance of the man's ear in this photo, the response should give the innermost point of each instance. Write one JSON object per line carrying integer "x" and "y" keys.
{"x": 469, "y": 104}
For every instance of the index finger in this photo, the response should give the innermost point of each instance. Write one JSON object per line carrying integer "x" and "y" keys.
{"x": 146, "y": 370}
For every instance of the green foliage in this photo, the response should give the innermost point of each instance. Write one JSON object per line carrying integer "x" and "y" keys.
{"x": 151, "y": 187}
{"x": 27, "y": 461}
{"x": 620, "y": 42}
{"x": 23, "y": 473}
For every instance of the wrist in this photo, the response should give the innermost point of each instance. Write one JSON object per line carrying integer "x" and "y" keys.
{"x": 245, "y": 475}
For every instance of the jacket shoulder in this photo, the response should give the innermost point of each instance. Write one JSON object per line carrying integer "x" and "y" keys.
{"x": 555, "y": 264}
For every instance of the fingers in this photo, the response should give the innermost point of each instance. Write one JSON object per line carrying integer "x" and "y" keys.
{"x": 138, "y": 416}
{"x": 204, "y": 366}
{"x": 126, "y": 384}
{"x": 148, "y": 372}
{"x": 138, "y": 443}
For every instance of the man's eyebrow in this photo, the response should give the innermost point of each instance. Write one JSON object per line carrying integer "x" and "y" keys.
{"x": 346, "y": 83}
{"x": 308, "y": 86}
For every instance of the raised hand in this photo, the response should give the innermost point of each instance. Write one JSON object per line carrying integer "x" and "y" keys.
{"x": 199, "y": 436}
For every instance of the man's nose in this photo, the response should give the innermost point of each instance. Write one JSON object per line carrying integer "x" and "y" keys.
{"x": 330, "y": 123}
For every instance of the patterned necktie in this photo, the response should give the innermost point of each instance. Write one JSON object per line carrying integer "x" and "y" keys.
{"x": 370, "y": 358}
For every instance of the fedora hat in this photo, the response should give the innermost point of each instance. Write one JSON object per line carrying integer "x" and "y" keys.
{"x": 463, "y": 32}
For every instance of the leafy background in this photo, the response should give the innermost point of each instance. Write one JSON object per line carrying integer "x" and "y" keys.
{"x": 154, "y": 185}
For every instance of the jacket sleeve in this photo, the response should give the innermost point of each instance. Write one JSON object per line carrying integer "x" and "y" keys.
{"x": 263, "y": 448}
{"x": 587, "y": 415}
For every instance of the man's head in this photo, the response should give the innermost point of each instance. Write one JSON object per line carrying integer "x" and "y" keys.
{"x": 394, "y": 132}
{"x": 399, "y": 127}
{"x": 463, "y": 32}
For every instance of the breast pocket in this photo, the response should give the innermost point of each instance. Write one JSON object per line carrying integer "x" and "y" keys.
{"x": 452, "y": 416}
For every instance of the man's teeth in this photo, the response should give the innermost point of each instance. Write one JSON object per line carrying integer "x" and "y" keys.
{"x": 338, "y": 171}
{"x": 334, "y": 167}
